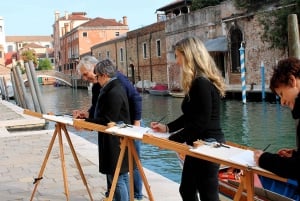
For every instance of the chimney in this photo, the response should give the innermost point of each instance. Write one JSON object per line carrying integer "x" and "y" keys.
{"x": 56, "y": 15}
{"x": 125, "y": 20}
{"x": 66, "y": 15}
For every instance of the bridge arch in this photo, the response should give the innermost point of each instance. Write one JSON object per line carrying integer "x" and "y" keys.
{"x": 67, "y": 79}
{"x": 57, "y": 78}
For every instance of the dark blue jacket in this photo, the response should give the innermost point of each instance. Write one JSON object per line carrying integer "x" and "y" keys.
{"x": 134, "y": 98}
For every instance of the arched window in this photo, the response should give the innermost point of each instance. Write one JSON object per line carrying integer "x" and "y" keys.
{"x": 236, "y": 38}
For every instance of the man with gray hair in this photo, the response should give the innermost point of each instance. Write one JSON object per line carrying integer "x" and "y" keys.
{"x": 112, "y": 106}
{"x": 86, "y": 70}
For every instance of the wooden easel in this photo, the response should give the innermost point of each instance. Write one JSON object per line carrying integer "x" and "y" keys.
{"x": 247, "y": 180}
{"x": 59, "y": 126}
{"x": 126, "y": 143}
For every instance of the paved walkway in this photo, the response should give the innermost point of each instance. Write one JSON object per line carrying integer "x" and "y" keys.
{"x": 22, "y": 154}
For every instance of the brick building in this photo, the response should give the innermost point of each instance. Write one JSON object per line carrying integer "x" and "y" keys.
{"x": 140, "y": 53}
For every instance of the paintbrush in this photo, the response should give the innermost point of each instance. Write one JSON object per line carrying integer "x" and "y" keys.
{"x": 265, "y": 149}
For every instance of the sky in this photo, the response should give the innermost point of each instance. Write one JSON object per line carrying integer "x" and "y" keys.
{"x": 36, "y": 17}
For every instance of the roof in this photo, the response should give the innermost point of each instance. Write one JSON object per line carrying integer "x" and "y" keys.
{"x": 33, "y": 45}
{"x": 75, "y": 16}
{"x": 98, "y": 21}
{"x": 219, "y": 44}
{"x": 174, "y": 4}
{"x": 27, "y": 38}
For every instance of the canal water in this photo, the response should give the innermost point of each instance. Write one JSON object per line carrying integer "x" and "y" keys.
{"x": 254, "y": 124}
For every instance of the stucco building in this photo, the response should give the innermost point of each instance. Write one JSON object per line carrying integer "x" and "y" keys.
{"x": 80, "y": 39}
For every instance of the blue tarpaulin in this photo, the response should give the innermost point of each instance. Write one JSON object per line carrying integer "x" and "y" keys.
{"x": 219, "y": 44}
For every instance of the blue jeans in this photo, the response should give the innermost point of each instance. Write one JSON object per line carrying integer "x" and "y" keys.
{"x": 138, "y": 184}
{"x": 122, "y": 188}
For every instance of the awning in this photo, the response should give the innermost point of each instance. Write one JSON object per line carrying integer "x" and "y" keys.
{"x": 219, "y": 44}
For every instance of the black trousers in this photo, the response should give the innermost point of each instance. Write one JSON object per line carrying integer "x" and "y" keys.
{"x": 199, "y": 176}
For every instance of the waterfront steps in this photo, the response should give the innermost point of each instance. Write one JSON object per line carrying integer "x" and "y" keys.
{"x": 22, "y": 154}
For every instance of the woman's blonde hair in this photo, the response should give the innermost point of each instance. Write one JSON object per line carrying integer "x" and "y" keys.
{"x": 198, "y": 62}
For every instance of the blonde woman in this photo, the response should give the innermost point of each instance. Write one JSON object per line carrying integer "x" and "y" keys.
{"x": 204, "y": 87}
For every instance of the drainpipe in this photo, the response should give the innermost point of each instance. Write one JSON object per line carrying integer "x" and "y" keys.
{"x": 138, "y": 59}
{"x": 150, "y": 57}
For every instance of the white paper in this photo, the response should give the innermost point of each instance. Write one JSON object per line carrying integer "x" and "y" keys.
{"x": 130, "y": 131}
{"x": 158, "y": 134}
{"x": 61, "y": 119}
{"x": 237, "y": 155}
{"x": 245, "y": 157}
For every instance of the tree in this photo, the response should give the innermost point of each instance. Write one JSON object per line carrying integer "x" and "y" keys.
{"x": 198, "y": 4}
{"x": 44, "y": 64}
{"x": 29, "y": 55}
{"x": 275, "y": 23}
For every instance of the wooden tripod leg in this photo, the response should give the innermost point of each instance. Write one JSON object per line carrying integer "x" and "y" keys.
{"x": 62, "y": 159}
{"x": 76, "y": 160}
{"x": 37, "y": 180}
{"x": 249, "y": 185}
{"x": 124, "y": 142}
{"x": 238, "y": 194}
{"x": 131, "y": 176}
{"x": 141, "y": 170}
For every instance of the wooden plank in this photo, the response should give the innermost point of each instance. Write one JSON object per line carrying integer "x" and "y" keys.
{"x": 32, "y": 113}
{"x": 81, "y": 123}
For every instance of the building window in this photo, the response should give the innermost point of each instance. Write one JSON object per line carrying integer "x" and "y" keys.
{"x": 236, "y": 37}
{"x": 10, "y": 48}
{"x": 107, "y": 54}
{"x": 84, "y": 34}
{"x": 117, "y": 33}
{"x": 145, "y": 50}
{"x": 121, "y": 54}
{"x": 99, "y": 56}
{"x": 158, "y": 52}
{"x": 1, "y": 54}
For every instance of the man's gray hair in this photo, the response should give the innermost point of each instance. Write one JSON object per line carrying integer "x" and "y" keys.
{"x": 87, "y": 62}
{"x": 105, "y": 66}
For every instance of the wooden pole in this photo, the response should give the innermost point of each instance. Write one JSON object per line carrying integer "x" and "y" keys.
{"x": 32, "y": 89}
{"x": 293, "y": 36}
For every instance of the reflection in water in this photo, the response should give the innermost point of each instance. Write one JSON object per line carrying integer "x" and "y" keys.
{"x": 245, "y": 127}
{"x": 254, "y": 124}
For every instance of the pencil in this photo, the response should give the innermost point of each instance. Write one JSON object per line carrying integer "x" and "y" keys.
{"x": 161, "y": 119}
{"x": 265, "y": 149}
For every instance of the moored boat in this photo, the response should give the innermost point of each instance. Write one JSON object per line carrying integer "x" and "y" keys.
{"x": 177, "y": 94}
{"x": 159, "y": 90}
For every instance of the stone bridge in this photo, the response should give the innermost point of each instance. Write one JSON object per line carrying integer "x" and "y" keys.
{"x": 67, "y": 79}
